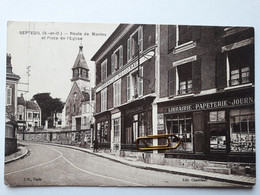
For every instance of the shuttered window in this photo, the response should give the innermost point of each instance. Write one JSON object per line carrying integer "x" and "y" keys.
{"x": 171, "y": 81}
{"x": 103, "y": 70}
{"x": 135, "y": 41}
{"x": 117, "y": 93}
{"x": 8, "y": 96}
{"x": 128, "y": 86}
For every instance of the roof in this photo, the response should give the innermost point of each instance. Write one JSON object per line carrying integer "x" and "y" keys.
{"x": 80, "y": 60}
{"x": 20, "y": 101}
{"x": 32, "y": 105}
{"x": 110, "y": 40}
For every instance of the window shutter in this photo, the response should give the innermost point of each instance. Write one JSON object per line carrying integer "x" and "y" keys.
{"x": 196, "y": 76}
{"x": 128, "y": 49}
{"x": 112, "y": 63}
{"x": 128, "y": 87}
{"x": 221, "y": 71}
{"x": 121, "y": 56}
{"x": 140, "y": 38}
{"x": 171, "y": 37}
{"x": 172, "y": 81}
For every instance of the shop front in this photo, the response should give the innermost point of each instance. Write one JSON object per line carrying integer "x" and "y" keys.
{"x": 136, "y": 122}
{"x": 219, "y": 127}
{"x": 102, "y": 133}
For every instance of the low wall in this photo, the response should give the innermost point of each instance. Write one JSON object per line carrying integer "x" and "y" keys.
{"x": 10, "y": 146}
{"x": 77, "y": 138}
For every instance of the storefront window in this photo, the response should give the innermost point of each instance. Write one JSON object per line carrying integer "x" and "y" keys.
{"x": 181, "y": 125}
{"x": 102, "y": 132}
{"x": 217, "y": 130}
{"x": 242, "y": 130}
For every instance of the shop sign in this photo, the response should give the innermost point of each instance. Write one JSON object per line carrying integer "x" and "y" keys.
{"x": 160, "y": 122}
{"x": 210, "y": 105}
{"x": 134, "y": 110}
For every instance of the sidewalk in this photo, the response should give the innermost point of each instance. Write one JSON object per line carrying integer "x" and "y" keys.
{"x": 242, "y": 180}
{"x": 21, "y": 152}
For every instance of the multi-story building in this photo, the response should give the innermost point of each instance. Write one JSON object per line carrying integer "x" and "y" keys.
{"x": 124, "y": 90}
{"x": 10, "y": 108}
{"x": 194, "y": 81}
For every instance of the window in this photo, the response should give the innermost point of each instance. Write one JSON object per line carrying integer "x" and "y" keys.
{"x": 217, "y": 130}
{"x": 103, "y": 130}
{"x": 117, "y": 93}
{"x": 117, "y": 59}
{"x": 180, "y": 125}
{"x": 29, "y": 115}
{"x": 75, "y": 73}
{"x": 242, "y": 130}
{"x": 128, "y": 88}
{"x": 35, "y": 116}
{"x": 183, "y": 34}
{"x": 135, "y": 41}
{"x": 185, "y": 78}
{"x": 104, "y": 71}
{"x": 116, "y": 126}
{"x": 8, "y": 96}
{"x": 104, "y": 100}
{"x": 137, "y": 83}
{"x": 240, "y": 65}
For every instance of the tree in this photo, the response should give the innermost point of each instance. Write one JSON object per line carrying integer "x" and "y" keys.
{"x": 49, "y": 106}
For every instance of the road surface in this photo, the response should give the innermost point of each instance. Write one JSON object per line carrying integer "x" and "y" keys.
{"x": 48, "y": 165}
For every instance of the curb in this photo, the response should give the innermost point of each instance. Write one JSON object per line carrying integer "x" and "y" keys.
{"x": 204, "y": 176}
{"x": 18, "y": 157}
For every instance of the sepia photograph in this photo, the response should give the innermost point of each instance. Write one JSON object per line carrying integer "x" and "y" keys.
{"x": 124, "y": 104}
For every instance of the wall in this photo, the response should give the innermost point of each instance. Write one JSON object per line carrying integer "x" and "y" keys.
{"x": 78, "y": 138}
{"x": 10, "y": 146}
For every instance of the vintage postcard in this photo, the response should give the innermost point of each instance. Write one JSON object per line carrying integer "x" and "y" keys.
{"x": 129, "y": 105}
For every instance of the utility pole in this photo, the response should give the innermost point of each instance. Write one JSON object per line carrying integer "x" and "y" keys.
{"x": 28, "y": 80}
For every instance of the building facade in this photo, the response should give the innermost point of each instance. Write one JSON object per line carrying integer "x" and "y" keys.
{"x": 196, "y": 82}
{"x": 10, "y": 108}
{"x": 28, "y": 115}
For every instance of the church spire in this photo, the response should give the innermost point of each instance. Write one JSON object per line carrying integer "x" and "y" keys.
{"x": 80, "y": 68}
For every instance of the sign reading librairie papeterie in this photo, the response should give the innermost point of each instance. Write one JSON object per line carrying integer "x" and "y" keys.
{"x": 210, "y": 105}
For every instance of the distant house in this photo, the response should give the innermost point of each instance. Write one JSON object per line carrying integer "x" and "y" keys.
{"x": 33, "y": 115}
{"x": 28, "y": 114}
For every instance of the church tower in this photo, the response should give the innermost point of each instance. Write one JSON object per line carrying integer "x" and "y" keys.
{"x": 80, "y": 72}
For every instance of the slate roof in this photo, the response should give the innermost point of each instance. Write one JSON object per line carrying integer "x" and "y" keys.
{"x": 32, "y": 105}
{"x": 20, "y": 101}
{"x": 80, "y": 60}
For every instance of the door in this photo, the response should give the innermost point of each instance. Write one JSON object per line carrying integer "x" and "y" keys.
{"x": 78, "y": 124}
{"x": 218, "y": 135}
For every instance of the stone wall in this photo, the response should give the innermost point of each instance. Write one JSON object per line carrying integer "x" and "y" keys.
{"x": 77, "y": 138}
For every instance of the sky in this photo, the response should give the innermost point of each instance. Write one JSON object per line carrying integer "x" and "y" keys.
{"x": 50, "y": 49}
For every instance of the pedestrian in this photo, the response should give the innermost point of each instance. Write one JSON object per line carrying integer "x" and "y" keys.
{"x": 95, "y": 145}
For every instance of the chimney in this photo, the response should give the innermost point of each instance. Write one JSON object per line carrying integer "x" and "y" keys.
{"x": 8, "y": 63}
